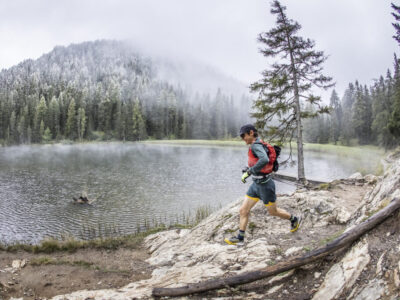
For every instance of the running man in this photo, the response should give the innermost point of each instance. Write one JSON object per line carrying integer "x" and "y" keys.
{"x": 263, "y": 187}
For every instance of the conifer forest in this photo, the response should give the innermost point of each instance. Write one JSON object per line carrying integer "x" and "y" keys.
{"x": 103, "y": 90}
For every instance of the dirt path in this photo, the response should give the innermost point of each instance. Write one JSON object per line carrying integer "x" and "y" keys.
{"x": 47, "y": 275}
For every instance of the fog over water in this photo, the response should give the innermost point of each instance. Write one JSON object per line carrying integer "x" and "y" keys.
{"x": 356, "y": 34}
{"x": 132, "y": 184}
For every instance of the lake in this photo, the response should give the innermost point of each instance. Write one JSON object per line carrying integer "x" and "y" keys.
{"x": 134, "y": 185}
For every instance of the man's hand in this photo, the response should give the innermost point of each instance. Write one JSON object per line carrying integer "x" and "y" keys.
{"x": 245, "y": 176}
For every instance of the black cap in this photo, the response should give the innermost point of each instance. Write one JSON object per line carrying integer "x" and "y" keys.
{"x": 246, "y": 128}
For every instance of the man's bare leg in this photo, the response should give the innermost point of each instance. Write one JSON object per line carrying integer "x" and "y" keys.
{"x": 281, "y": 213}
{"x": 245, "y": 212}
{"x": 276, "y": 211}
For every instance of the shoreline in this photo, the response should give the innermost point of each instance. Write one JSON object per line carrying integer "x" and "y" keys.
{"x": 330, "y": 148}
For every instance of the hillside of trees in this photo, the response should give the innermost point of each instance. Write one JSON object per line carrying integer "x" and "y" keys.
{"x": 105, "y": 90}
{"x": 364, "y": 115}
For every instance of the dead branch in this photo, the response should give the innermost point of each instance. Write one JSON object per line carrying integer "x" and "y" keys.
{"x": 344, "y": 240}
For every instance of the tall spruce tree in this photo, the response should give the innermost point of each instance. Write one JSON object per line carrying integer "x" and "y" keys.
{"x": 381, "y": 108}
{"x": 348, "y": 99}
{"x": 394, "y": 123}
{"x": 71, "y": 127}
{"x": 336, "y": 117}
{"x": 41, "y": 112}
{"x": 54, "y": 117}
{"x": 288, "y": 82}
{"x": 81, "y": 123}
{"x": 138, "y": 127}
{"x": 361, "y": 119}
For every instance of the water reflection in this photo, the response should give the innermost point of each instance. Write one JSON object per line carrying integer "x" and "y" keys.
{"x": 130, "y": 182}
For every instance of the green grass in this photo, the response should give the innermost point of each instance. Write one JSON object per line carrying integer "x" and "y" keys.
{"x": 324, "y": 186}
{"x": 181, "y": 226}
{"x": 283, "y": 273}
{"x": 50, "y": 245}
{"x": 229, "y": 142}
{"x": 44, "y": 260}
{"x": 202, "y": 212}
{"x": 100, "y": 240}
{"x": 271, "y": 262}
{"x": 344, "y": 150}
{"x": 385, "y": 202}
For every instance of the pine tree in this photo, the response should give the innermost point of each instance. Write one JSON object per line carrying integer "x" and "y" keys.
{"x": 81, "y": 123}
{"x": 47, "y": 135}
{"x": 138, "y": 127}
{"x": 348, "y": 99}
{"x": 336, "y": 117}
{"x": 13, "y": 128}
{"x": 394, "y": 119}
{"x": 21, "y": 130}
{"x": 288, "y": 80}
{"x": 396, "y": 15}
{"x": 394, "y": 122}
{"x": 54, "y": 117}
{"x": 361, "y": 120}
{"x": 381, "y": 111}
{"x": 323, "y": 129}
{"x": 40, "y": 115}
{"x": 70, "y": 128}
{"x": 118, "y": 120}
{"x": 310, "y": 125}
{"x": 41, "y": 131}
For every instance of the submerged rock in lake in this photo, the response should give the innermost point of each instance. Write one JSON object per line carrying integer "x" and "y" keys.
{"x": 368, "y": 270}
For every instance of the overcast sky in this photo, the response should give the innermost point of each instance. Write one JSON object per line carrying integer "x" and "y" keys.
{"x": 356, "y": 34}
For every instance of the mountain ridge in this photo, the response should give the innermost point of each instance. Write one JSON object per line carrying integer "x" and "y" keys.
{"x": 117, "y": 92}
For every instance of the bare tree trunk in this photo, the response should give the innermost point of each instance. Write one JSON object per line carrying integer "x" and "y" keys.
{"x": 342, "y": 241}
{"x": 300, "y": 155}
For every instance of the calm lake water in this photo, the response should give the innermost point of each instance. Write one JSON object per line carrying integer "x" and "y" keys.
{"x": 133, "y": 184}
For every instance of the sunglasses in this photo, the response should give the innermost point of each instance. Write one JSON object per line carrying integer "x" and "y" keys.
{"x": 242, "y": 136}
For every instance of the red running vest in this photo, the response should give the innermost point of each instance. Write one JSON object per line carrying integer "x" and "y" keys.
{"x": 271, "y": 155}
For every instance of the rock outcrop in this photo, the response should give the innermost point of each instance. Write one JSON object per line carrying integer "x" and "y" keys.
{"x": 370, "y": 269}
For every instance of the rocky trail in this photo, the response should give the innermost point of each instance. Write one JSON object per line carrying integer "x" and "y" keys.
{"x": 368, "y": 269}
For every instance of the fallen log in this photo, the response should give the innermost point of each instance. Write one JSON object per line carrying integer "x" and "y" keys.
{"x": 293, "y": 179}
{"x": 342, "y": 241}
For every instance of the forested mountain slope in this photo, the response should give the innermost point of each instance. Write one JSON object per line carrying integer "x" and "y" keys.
{"x": 107, "y": 90}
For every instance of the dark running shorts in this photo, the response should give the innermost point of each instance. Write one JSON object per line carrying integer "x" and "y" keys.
{"x": 264, "y": 191}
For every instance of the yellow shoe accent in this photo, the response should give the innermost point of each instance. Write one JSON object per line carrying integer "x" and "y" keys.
{"x": 294, "y": 229}
{"x": 229, "y": 242}
{"x": 298, "y": 224}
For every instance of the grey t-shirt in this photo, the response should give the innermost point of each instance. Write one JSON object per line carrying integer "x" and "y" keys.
{"x": 258, "y": 150}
